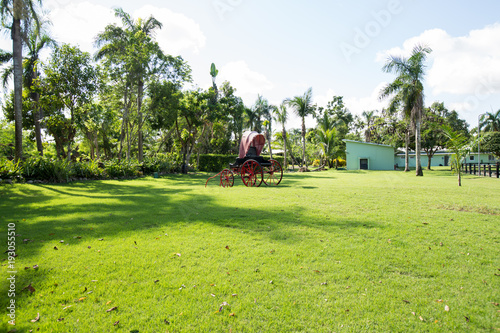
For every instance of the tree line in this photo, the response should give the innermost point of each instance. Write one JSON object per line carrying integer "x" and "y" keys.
{"x": 129, "y": 100}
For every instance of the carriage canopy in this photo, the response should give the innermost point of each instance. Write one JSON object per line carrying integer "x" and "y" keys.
{"x": 251, "y": 139}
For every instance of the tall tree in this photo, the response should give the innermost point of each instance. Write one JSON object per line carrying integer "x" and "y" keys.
{"x": 302, "y": 106}
{"x": 133, "y": 56}
{"x": 36, "y": 40}
{"x": 369, "y": 119}
{"x": 71, "y": 76}
{"x": 281, "y": 116}
{"x": 490, "y": 121}
{"x": 17, "y": 16}
{"x": 408, "y": 90}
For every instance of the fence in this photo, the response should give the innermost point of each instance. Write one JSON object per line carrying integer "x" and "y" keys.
{"x": 484, "y": 169}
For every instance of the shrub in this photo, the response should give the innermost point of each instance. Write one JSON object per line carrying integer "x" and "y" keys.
{"x": 120, "y": 169}
{"x": 9, "y": 169}
{"x": 164, "y": 163}
{"x": 215, "y": 162}
{"x": 340, "y": 162}
{"x": 88, "y": 169}
{"x": 43, "y": 168}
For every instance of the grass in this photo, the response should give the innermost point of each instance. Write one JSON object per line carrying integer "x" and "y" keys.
{"x": 333, "y": 251}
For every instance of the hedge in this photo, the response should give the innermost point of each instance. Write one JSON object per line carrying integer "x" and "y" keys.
{"x": 218, "y": 162}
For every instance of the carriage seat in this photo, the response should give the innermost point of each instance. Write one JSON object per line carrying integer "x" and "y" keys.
{"x": 252, "y": 152}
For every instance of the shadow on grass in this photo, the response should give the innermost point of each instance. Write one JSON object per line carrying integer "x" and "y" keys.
{"x": 108, "y": 209}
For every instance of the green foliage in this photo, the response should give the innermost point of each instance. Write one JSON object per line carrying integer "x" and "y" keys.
{"x": 163, "y": 163}
{"x": 120, "y": 169}
{"x": 490, "y": 142}
{"x": 44, "y": 168}
{"x": 88, "y": 169}
{"x": 215, "y": 162}
{"x": 9, "y": 169}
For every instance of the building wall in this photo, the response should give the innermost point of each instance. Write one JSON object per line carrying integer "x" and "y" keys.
{"x": 380, "y": 157}
{"x": 439, "y": 160}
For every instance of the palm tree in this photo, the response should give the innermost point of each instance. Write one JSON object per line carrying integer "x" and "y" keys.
{"x": 408, "y": 91}
{"x": 12, "y": 13}
{"x": 121, "y": 45}
{"x": 326, "y": 134}
{"x": 302, "y": 105}
{"x": 281, "y": 116}
{"x": 369, "y": 120}
{"x": 491, "y": 121}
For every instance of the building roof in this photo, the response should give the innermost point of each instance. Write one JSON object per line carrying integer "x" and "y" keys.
{"x": 368, "y": 143}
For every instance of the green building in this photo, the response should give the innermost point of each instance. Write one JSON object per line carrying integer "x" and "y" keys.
{"x": 368, "y": 156}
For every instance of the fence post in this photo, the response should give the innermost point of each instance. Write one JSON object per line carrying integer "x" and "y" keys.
{"x": 474, "y": 169}
{"x": 498, "y": 167}
{"x": 489, "y": 169}
{"x": 484, "y": 170}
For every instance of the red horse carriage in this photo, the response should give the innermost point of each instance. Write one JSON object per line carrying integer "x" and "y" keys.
{"x": 250, "y": 166}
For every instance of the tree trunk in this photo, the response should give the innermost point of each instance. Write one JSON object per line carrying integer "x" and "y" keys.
{"x": 140, "y": 88}
{"x": 407, "y": 148}
{"x": 124, "y": 123}
{"x": 36, "y": 118}
{"x": 429, "y": 158}
{"x": 284, "y": 145}
{"x": 418, "y": 165}
{"x": 18, "y": 80}
{"x": 304, "y": 163}
{"x": 459, "y": 178}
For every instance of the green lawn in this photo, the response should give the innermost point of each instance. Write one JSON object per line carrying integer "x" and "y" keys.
{"x": 333, "y": 251}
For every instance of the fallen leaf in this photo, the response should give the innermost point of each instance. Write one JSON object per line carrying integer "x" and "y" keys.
{"x": 55, "y": 248}
{"x": 51, "y": 234}
{"x": 420, "y": 317}
{"x": 116, "y": 323}
{"x": 135, "y": 242}
{"x": 30, "y": 288}
{"x": 108, "y": 302}
{"x": 234, "y": 295}
{"x": 88, "y": 247}
{"x": 101, "y": 239}
{"x": 67, "y": 307}
{"x": 232, "y": 314}
{"x": 227, "y": 247}
{"x": 436, "y": 321}
{"x": 157, "y": 281}
{"x": 84, "y": 290}
{"x": 166, "y": 321}
{"x": 77, "y": 237}
{"x": 439, "y": 300}
{"x": 61, "y": 241}
{"x": 112, "y": 309}
{"x": 213, "y": 295}
{"x": 324, "y": 283}
{"x": 446, "y": 308}
{"x": 36, "y": 319}
{"x": 413, "y": 313}
{"x": 316, "y": 271}
{"x": 27, "y": 267}
{"x": 60, "y": 319}
{"x": 35, "y": 267}
{"x": 467, "y": 319}
{"x": 406, "y": 301}
{"x": 495, "y": 304}
{"x": 178, "y": 254}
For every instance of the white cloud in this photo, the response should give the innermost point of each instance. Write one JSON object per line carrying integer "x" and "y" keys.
{"x": 356, "y": 105}
{"x": 465, "y": 65}
{"x": 179, "y": 32}
{"x": 79, "y": 23}
{"x": 247, "y": 82}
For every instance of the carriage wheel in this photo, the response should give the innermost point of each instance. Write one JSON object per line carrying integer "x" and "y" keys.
{"x": 273, "y": 173}
{"x": 226, "y": 178}
{"x": 251, "y": 173}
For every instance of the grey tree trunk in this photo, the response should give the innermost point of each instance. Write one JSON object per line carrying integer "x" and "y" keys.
{"x": 140, "y": 88}
{"x": 407, "y": 148}
{"x": 304, "y": 163}
{"x": 418, "y": 164}
{"x": 18, "y": 80}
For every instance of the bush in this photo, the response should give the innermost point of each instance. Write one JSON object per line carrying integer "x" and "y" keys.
{"x": 340, "y": 162}
{"x": 88, "y": 169}
{"x": 43, "y": 168}
{"x": 163, "y": 163}
{"x": 215, "y": 162}
{"x": 219, "y": 162}
{"x": 120, "y": 169}
{"x": 9, "y": 169}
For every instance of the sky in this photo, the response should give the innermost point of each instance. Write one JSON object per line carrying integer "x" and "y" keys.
{"x": 278, "y": 49}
